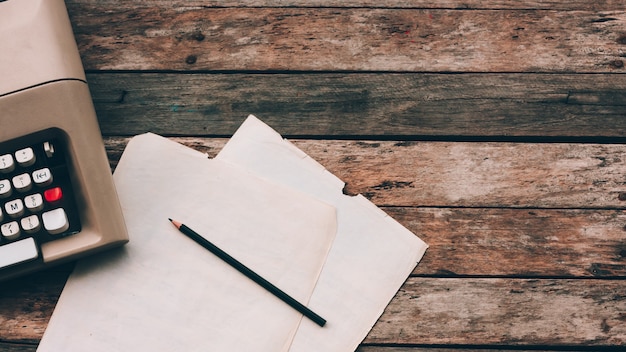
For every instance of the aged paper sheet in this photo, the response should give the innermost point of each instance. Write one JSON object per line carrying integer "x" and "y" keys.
{"x": 164, "y": 292}
{"x": 370, "y": 259}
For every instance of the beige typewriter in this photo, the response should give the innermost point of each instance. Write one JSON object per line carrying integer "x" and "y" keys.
{"x": 57, "y": 197}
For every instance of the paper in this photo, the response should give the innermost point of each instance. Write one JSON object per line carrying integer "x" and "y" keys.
{"x": 371, "y": 256}
{"x": 164, "y": 292}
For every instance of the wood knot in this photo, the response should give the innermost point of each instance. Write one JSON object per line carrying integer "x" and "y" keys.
{"x": 198, "y": 36}
{"x": 616, "y": 64}
{"x": 191, "y": 59}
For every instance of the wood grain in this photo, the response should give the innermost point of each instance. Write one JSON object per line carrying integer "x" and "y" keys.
{"x": 451, "y": 174}
{"x": 504, "y": 312}
{"x": 122, "y": 36}
{"x": 517, "y": 242}
{"x": 27, "y": 303}
{"x": 365, "y": 105}
{"x": 469, "y": 311}
{"x": 11, "y": 347}
{"x": 477, "y": 174}
{"x": 424, "y": 4}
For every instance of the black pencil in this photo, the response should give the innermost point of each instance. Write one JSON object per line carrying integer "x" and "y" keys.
{"x": 249, "y": 273}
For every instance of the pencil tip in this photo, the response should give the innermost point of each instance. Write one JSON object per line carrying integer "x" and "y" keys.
{"x": 170, "y": 219}
{"x": 176, "y": 223}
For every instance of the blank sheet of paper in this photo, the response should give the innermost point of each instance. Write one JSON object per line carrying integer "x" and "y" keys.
{"x": 372, "y": 254}
{"x": 164, "y": 292}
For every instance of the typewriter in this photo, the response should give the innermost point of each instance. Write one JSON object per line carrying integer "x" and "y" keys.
{"x": 57, "y": 197}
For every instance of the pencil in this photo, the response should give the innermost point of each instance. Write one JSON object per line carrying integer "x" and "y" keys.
{"x": 249, "y": 273}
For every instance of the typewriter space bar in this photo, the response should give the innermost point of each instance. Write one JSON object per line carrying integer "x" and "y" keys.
{"x": 18, "y": 252}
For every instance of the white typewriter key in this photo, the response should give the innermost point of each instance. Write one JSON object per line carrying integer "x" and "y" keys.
{"x": 5, "y": 188}
{"x": 42, "y": 177}
{"x": 18, "y": 252}
{"x": 14, "y": 208}
{"x": 22, "y": 182}
{"x": 30, "y": 224}
{"x": 6, "y": 163}
{"x": 10, "y": 230}
{"x": 55, "y": 221}
{"x": 25, "y": 157}
{"x": 34, "y": 202}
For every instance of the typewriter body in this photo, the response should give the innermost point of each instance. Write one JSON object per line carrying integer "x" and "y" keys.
{"x": 57, "y": 196}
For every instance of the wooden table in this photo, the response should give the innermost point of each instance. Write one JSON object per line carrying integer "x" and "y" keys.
{"x": 494, "y": 130}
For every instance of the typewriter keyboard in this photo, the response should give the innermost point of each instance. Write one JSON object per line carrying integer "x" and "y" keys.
{"x": 36, "y": 197}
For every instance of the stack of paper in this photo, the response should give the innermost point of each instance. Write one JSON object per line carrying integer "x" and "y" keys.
{"x": 267, "y": 204}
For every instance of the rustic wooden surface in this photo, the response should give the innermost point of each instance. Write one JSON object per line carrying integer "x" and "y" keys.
{"x": 494, "y": 130}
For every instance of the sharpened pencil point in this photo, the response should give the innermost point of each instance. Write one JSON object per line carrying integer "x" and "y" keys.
{"x": 175, "y": 223}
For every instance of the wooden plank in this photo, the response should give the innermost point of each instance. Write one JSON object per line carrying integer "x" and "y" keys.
{"x": 504, "y": 312}
{"x": 403, "y": 105}
{"x": 10, "y": 347}
{"x": 600, "y": 5}
{"x": 26, "y": 304}
{"x": 518, "y": 242}
{"x": 122, "y": 36}
{"x": 470, "y": 311}
{"x": 446, "y": 174}
{"x": 477, "y": 174}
